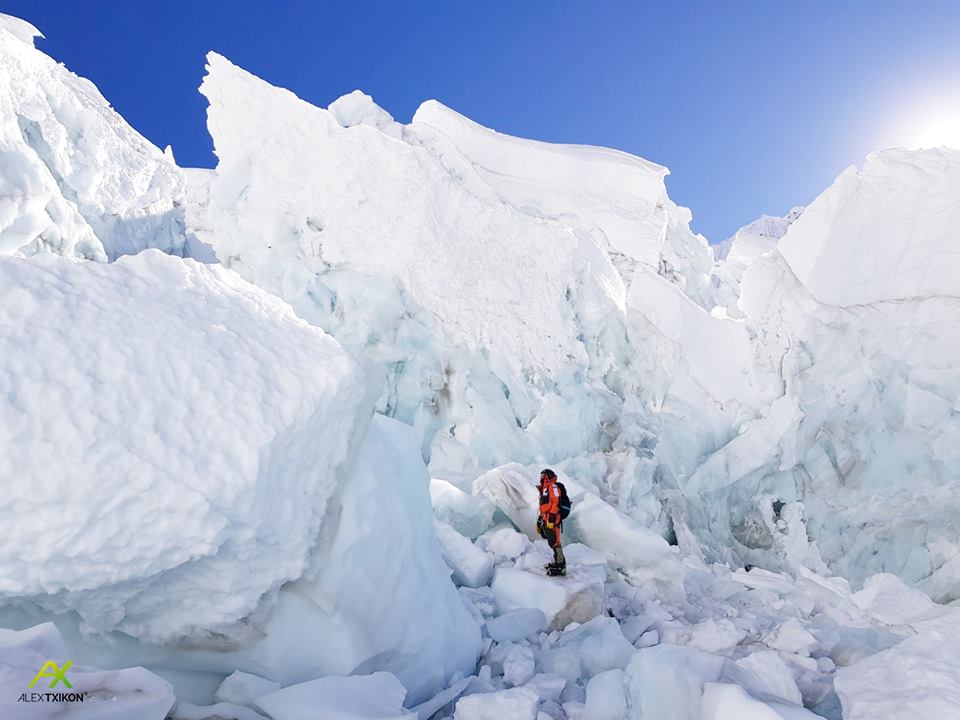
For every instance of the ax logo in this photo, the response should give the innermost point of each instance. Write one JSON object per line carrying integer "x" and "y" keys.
{"x": 51, "y": 670}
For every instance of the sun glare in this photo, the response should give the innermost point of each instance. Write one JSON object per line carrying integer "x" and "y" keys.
{"x": 936, "y": 128}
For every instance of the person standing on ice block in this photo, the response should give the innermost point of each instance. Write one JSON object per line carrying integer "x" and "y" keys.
{"x": 554, "y": 507}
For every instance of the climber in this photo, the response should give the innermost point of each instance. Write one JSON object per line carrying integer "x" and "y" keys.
{"x": 554, "y": 508}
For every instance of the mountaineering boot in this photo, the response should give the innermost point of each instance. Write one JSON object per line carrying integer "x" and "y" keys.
{"x": 559, "y": 564}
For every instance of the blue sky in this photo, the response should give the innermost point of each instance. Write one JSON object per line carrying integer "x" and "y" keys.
{"x": 754, "y": 106}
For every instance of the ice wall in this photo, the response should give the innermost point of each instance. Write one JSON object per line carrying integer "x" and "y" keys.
{"x": 377, "y": 595}
{"x": 487, "y": 274}
{"x": 75, "y": 178}
{"x": 498, "y": 331}
{"x": 855, "y": 318}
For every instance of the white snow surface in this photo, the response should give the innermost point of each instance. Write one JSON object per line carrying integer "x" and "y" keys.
{"x": 618, "y": 200}
{"x": 20, "y": 29}
{"x": 918, "y": 678}
{"x": 515, "y": 703}
{"x": 358, "y": 108}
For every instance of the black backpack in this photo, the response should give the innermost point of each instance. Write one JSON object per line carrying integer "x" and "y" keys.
{"x": 565, "y": 502}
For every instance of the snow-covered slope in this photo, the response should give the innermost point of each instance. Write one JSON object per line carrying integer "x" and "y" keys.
{"x": 756, "y": 238}
{"x": 616, "y": 199}
{"x": 75, "y": 178}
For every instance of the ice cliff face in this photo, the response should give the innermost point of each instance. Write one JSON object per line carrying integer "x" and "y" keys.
{"x": 853, "y": 317}
{"x": 495, "y": 328}
{"x": 885, "y": 233}
{"x": 488, "y": 274}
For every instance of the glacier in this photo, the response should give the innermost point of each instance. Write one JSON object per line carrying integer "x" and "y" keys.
{"x": 274, "y": 428}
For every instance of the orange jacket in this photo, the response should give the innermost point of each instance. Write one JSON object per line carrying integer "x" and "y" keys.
{"x": 549, "y": 498}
